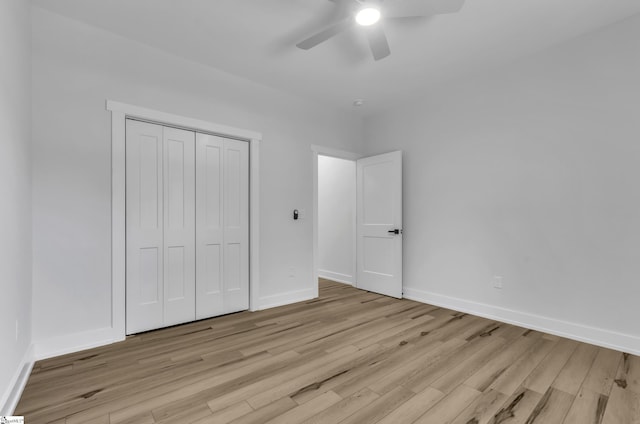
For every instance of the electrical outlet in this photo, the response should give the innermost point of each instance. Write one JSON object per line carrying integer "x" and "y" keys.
{"x": 497, "y": 282}
{"x": 17, "y": 330}
{"x": 292, "y": 272}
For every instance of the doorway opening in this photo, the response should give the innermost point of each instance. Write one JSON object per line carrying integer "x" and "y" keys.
{"x": 334, "y": 214}
{"x": 357, "y": 220}
{"x": 337, "y": 219}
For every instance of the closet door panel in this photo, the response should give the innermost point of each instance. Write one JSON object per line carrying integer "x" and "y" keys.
{"x": 232, "y": 269}
{"x": 209, "y": 226}
{"x": 179, "y": 226}
{"x": 212, "y": 281}
{"x": 144, "y": 226}
{"x": 149, "y": 264}
{"x": 236, "y": 226}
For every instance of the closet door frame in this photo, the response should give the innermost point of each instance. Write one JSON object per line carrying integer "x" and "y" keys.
{"x": 119, "y": 113}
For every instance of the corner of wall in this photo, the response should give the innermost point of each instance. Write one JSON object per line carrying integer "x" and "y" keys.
{"x": 76, "y": 342}
{"x": 336, "y": 276}
{"x": 281, "y": 299}
{"x": 10, "y": 399}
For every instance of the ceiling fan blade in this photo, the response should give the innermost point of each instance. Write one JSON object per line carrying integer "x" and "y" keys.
{"x": 412, "y": 8}
{"x": 378, "y": 41}
{"x": 325, "y": 34}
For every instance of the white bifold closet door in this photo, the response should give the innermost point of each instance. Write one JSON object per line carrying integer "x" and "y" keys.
{"x": 222, "y": 222}
{"x": 160, "y": 204}
{"x": 187, "y": 223}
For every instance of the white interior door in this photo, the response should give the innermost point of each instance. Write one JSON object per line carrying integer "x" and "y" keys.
{"x": 160, "y": 225}
{"x": 222, "y": 219}
{"x": 379, "y": 224}
{"x": 179, "y": 226}
{"x": 144, "y": 226}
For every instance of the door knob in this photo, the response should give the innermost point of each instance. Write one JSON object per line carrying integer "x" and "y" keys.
{"x": 395, "y": 231}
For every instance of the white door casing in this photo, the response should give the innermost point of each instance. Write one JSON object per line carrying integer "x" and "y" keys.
{"x": 379, "y": 214}
{"x": 236, "y": 226}
{"x": 222, "y": 220}
{"x": 120, "y": 113}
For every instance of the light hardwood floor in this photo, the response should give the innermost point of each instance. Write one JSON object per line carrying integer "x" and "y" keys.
{"x": 348, "y": 357}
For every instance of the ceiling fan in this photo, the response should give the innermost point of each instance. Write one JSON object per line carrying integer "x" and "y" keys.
{"x": 369, "y": 14}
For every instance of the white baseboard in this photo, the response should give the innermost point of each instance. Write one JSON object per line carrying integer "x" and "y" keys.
{"x": 75, "y": 342}
{"x": 336, "y": 276}
{"x": 593, "y": 335}
{"x": 274, "y": 301}
{"x": 10, "y": 399}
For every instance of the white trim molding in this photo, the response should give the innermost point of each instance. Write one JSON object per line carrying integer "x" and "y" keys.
{"x": 583, "y": 333}
{"x": 119, "y": 113}
{"x": 254, "y": 222}
{"x": 10, "y": 399}
{"x": 336, "y": 276}
{"x": 75, "y": 342}
{"x": 132, "y": 111}
{"x": 336, "y": 153}
{"x": 288, "y": 298}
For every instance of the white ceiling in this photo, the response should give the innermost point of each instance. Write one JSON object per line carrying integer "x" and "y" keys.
{"x": 256, "y": 39}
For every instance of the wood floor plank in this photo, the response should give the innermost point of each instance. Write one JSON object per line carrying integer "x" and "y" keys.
{"x": 457, "y": 375}
{"x": 588, "y": 407}
{"x": 313, "y": 407}
{"x": 348, "y": 356}
{"x": 412, "y": 409}
{"x": 512, "y": 378}
{"x": 193, "y": 413}
{"x": 482, "y": 409}
{"x": 142, "y": 418}
{"x": 292, "y": 386}
{"x": 493, "y": 369}
{"x": 182, "y": 388}
{"x": 591, "y": 401}
{"x": 326, "y": 362}
{"x": 603, "y": 371}
{"x": 391, "y": 377}
{"x": 103, "y": 419}
{"x": 267, "y": 412}
{"x": 628, "y": 376}
{"x": 517, "y": 408}
{"x": 573, "y": 374}
{"x": 228, "y": 414}
{"x": 407, "y": 372}
{"x": 361, "y": 375}
{"x": 344, "y": 408}
{"x": 445, "y": 411}
{"x": 380, "y": 407}
{"x": 547, "y": 371}
{"x": 552, "y": 407}
{"x": 623, "y": 407}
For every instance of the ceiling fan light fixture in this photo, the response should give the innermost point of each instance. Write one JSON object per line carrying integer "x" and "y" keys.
{"x": 368, "y": 16}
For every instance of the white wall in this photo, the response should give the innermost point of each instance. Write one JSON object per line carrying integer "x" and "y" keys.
{"x": 336, "y": 219}
{"x": 76, "y": 68}
{"x": 530, "y": 172}
{"x": 15, "y": 192}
